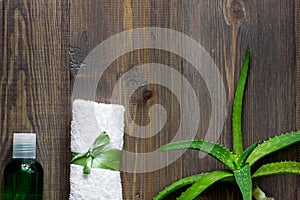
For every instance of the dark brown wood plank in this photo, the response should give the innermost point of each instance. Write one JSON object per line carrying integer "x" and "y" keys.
{"x": 35, "y": 85}
{"x": 224, "y": 29}
{"x": 120, "y": 16}
{"x": 35, "y": 81}
{"x": 297, "y": 52}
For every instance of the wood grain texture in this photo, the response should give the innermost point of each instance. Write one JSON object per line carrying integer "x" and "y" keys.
{"x": 224, "y": 28}
{"x": 35, "y": 80}
{"x": 35, "y": 85}
{"x": 125, "y": 15}
{"x": 297, "y": 51}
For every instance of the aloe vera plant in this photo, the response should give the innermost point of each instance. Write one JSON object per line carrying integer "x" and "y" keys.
{"x": 238, "y": 162}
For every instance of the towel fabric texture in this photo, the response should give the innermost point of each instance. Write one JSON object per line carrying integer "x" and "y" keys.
{"x": 89, "y": 119}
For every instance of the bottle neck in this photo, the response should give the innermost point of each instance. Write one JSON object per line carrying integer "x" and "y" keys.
{"x": 24, "y": 151}
{"x": 24, "y": 145}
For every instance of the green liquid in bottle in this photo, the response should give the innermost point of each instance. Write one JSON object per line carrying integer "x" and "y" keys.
{"x": 23, "y": 175}
{"x": 23, "y": 180}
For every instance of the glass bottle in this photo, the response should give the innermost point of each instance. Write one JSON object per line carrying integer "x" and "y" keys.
{"x": 23, "y": 175}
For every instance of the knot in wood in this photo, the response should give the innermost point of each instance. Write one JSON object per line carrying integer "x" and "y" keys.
{"x": 237, "y": 10}
{"x": 147, "y": 94}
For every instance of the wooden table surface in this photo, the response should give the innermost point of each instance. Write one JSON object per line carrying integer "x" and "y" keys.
{"x": 43, "y": 44}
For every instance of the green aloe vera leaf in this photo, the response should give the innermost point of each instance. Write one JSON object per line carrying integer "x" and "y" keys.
{"x": 287, "y": 167}
{"x": 177, "y": 185}
{"x": 272, "y": 145}
{"x": 184, "y": 182}
{"x": 207, "y": 180}
{"x": 244, "y": 181}
{"x": 237, "y": 107}
{"x": 243, "y": 157}
{"x": 215, "y": 150}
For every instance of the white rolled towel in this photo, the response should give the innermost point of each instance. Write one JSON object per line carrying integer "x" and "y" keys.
{"x": 89, "y": 119}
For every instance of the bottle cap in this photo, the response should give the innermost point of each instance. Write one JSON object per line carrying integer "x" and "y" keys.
{"x": 24, "y": 145}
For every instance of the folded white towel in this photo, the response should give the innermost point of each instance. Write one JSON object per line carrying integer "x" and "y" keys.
{"x": 89, "y": 120}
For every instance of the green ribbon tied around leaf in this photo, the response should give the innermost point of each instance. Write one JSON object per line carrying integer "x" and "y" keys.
{"x": 100, "y": 155}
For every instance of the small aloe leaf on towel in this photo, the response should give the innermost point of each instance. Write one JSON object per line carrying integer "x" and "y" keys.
{"x": 100, "y": 155}
{"x": 100, "y": 143}
{"x": 287, "y": 167}
{"x": 205, "y": 181}
{"x": 273, "y": 145}
{"x": 213, "y": 149}
{"x": 244, "y": 181}
{"x": 88, "y": 165}
{"x": 79, "y": 157}
{"x": 109, "y": 159}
